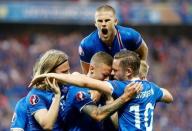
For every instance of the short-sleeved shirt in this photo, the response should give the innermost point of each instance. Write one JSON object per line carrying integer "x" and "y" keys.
{"x": 40, "y": 99}
{"x": 137, "y": 114}
{"x": 20, "y": 119}
{"x": 74, "y": 118}
{"x": 126, "y": 38}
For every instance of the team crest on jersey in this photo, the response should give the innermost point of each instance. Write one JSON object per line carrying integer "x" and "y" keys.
{"x": 81, "y": 52}
{"x": 34, "y": 99}
{"x": 80, "y": 96}
{"x": 64, "y": 89}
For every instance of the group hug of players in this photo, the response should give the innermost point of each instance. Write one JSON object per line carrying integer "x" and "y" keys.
{"x": 112, "y": 94}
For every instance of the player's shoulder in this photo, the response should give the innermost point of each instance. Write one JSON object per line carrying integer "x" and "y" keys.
{"x": 126, "y": 30}
{"x": 120, "y": 82}
{"x": 74, "y": 89}
{"x": 119, "y": 85}
{"x": 21, "y": 101}
{"x": 150, "y": 84}
{"x": 21, "y": 105}
{"x": 89, "y": 40}
{"x": 37, "y": 94}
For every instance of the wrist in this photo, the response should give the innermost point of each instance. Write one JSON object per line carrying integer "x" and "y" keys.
{"x": 125, "y": 98}
{"x": 58, "y": 95}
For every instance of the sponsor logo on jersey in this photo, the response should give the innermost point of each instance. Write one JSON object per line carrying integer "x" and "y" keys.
{"x": 34, "y": 99}
{"x": 80, "y": 96}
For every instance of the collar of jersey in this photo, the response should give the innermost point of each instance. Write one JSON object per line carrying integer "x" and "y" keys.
{"x": 135, "y": 79}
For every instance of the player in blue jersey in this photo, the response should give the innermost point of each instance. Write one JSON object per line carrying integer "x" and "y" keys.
{"x": 136, "y": 114}
{"x": 78, "y": 99}
{"x": 78, "y": 115}
{"x": 19, "y": 120}
{"x": 80, "y": 108}
{"x": 110, "y": 37}
{"x": 45, "y": 103}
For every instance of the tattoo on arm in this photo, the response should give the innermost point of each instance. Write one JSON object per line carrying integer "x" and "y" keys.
{"x": 100, "y": 113}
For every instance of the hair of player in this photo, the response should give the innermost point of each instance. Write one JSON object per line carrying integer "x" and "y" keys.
{"x": 101, "y": 58}
{"x": 129, "y": 59}
{"x": 144, "y": 68}
{"x": 49, "y": 61}
{"x": 106, "y": 8}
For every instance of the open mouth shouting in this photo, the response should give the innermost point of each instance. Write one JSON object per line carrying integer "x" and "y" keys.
{"x": 104, "y": 31}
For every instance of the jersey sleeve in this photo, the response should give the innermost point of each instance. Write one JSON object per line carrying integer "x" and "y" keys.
{"x": 19, "y": 118}
{"x": 158, "y": 92}
{"x": 117, "y": 90}
{"x": 85, "y": 51}
{"x": 36, "y": 102}
{"x": 81, "y": 98}
{"x": 134, "y": 39}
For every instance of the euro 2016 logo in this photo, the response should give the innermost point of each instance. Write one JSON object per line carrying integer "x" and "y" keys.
{"x": 34, "y": 99}
{"x": 80, "y": 96}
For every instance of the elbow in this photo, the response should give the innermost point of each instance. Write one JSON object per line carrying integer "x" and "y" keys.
{"x": 170, "y": 100}
{"x": 47, "y": 127}
{"x": 167, "y": 97}
{"x": 98, "y": 118}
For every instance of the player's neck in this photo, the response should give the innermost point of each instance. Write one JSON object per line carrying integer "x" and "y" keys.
{"x": 114, "y": 33}
{"x": 135, "y": 78}
{"x": 113, "y": 36}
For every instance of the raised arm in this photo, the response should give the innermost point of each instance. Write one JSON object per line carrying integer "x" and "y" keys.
{"x": 143, "y": 51}
{"x": 47, "y": 117}
{"x": 78, "y": 80}
{"x": 114, "y": 116}
{"x": 167, "y": 97}
{"x": 84, "y": 67}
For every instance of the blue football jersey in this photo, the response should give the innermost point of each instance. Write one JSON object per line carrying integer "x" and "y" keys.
{"x": 74, "y": 118}
{"x": 126, "y": 38}
{"x": 36, "y": 100}
{"x": 20, "y": 119}
{"x": 137, "y": 114}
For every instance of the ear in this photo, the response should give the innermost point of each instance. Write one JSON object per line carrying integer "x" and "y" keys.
{"x": 116, "y": 21}
{"x": 95, "y": 24}
{"x": 91, "y": 69}
{"x": 129, "y": 72}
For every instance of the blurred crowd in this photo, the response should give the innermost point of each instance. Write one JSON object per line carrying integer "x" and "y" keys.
{"x": 171, "y": 67}
{"x": 169, "y": 60}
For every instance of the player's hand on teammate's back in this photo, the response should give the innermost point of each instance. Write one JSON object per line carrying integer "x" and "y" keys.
{"x": 132, "y": 89}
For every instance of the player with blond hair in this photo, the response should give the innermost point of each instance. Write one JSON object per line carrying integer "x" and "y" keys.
{"x": 110, "y": 38}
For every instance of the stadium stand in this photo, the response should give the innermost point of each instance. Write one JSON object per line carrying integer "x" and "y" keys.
{"x": 169, "y": 59}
